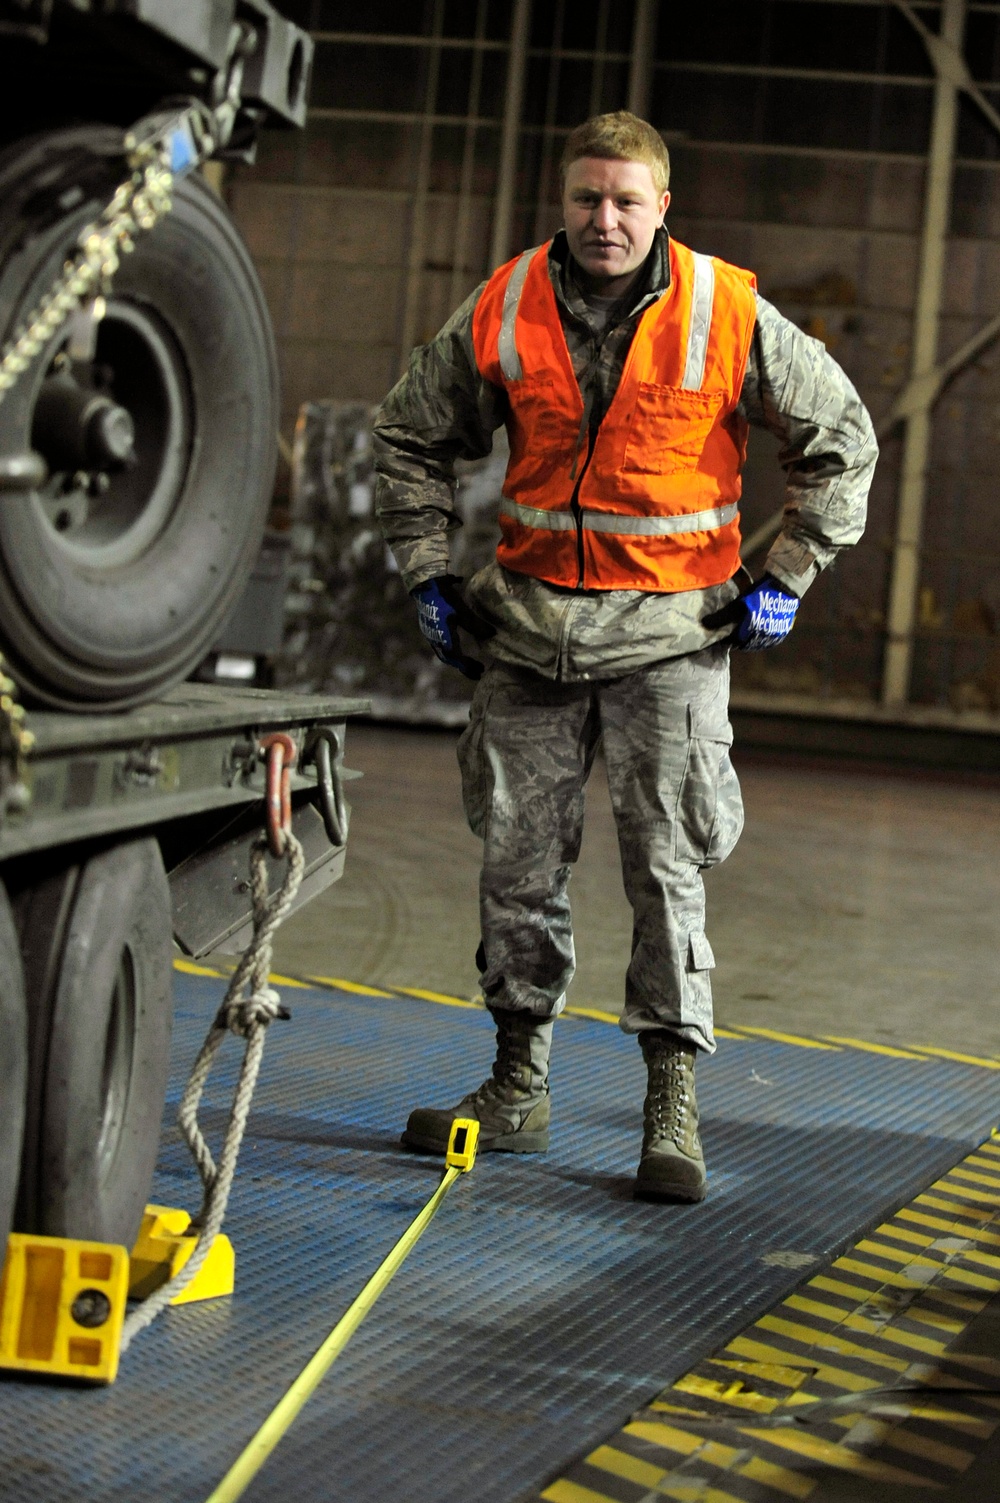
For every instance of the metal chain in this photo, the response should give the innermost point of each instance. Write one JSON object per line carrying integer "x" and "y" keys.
{"x": 138, "y": 204}
{"x": 14, "y": 734}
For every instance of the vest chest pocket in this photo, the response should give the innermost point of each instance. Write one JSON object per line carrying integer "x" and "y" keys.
{"x": 539, "y": 415}
{"x": 669, "y": 428}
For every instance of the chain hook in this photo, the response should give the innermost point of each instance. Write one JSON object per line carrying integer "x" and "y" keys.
{"x": 280, "y": 752}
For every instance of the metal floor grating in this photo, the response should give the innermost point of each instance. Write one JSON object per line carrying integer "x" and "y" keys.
{"x": 542, "y": 1306}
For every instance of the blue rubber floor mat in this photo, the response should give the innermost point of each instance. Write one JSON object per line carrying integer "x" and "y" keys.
{"x": 542, "y": 1306}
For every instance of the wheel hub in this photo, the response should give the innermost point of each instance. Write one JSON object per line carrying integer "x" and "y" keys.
{"x": 77, "y": 427}
{"x": 115, "y": 435}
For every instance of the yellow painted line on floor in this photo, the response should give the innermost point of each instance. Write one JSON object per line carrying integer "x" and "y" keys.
{"x": 695, "y": 1492}
{"x": 564, "y": 1491}
{"x": 983, "y": 1163}
{"x": 914, "y": 1310}
{"x": 667, "y": 1436}
{"x": 621, "y": 1464}
{"x": 593, "y": 1013}
{"x": 953, "y": 1207}
{"x": 938, "y": 1223}
{"x": 973, "y": 1423}
{"x": 850, "y": 1321}
{"x": 951, "y": 1297}
{"x": 787, "y": 1038}
{"x": 947, "y": 1270}
{"x": 856, "y": 1292}
{"x": 712, "y": 1453}
{"x": 770, "y": 1474}
{"x": 826, "y": 1341}
{"x": 834, "y": 1377}
{"x": 868, "y": 1048}
{"x": 976, "y": 1178}
{"x": 966, "y": 1192}
{"x": 440, "y": 997}
{"x": 816, "y": 1448}
{"x": 192, "y": 968}
{"x": 984, "y": 1259}
{"x": 961, "y": 1059}
{"x": 905, "y": 1256}
{"x": 903, "y": 1234}
{"x": 340, "y": 985}
{"x": 928, "y": 1449}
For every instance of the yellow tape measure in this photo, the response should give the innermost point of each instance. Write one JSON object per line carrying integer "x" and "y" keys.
{"x": 459, "y": 1159}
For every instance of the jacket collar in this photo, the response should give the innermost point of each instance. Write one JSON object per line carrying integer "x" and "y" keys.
{"x": 652, "y": 283}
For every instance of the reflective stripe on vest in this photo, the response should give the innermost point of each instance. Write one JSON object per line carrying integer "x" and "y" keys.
{"x": 702, "y": 299}
{"x": 510, "y": 360}
{"x": 604, "y": 521}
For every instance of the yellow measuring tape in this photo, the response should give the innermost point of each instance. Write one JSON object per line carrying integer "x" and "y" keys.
{"x": 460, "y": 1158}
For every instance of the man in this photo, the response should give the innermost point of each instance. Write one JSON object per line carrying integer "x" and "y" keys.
{"x": 625, "y": 368}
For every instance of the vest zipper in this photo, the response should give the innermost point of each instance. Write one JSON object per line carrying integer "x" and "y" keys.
{"x": 577, "y": 510}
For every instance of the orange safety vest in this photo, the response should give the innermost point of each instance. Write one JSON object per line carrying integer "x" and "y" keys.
{"x": 655, "y": 506}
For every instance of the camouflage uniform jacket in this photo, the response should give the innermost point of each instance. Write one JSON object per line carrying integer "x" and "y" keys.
{"x": 444, "y": 409}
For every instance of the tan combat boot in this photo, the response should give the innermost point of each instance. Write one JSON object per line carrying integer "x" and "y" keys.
{"x": 512, "y": 1105}
{"x": 671, "y": 1166}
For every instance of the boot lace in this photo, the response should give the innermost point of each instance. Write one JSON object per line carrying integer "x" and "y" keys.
{"x": 508, "y": 1073}
{"x": 669, "y": 1098}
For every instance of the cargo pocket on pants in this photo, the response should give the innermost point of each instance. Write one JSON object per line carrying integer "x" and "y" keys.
{"x": 700, "y": 954}
{"x": 472, "y": 763}
{"x": 709, "y": 804}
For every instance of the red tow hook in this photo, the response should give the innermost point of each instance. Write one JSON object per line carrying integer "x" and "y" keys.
{"x": 280, "y": 751}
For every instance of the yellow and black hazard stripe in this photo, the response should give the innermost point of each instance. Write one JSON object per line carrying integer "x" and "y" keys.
{"x": 866, "y": 1369}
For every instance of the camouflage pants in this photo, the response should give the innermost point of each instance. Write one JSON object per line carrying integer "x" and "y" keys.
{"x": 525, "y": 758}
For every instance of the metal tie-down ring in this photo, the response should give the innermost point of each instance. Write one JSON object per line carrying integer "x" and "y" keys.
{"x": 324, "y": 750}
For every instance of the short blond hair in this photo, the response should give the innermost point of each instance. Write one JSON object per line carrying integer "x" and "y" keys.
{"x": 621, "y": 137}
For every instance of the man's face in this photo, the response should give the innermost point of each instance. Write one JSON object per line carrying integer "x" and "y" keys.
{"x": 612, "y": 211}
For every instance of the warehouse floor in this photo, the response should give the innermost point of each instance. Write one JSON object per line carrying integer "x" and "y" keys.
{"x": 858, "y": 902}
{"x": 824, "y": 1326}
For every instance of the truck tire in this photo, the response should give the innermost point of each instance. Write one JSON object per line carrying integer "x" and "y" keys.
{"x": 96, "y": 940}
{"x": 117, "y": 572}
{"x": 13, "y": 1066}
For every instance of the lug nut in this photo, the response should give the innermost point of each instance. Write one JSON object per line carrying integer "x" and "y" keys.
{"x": 111, "y": 434}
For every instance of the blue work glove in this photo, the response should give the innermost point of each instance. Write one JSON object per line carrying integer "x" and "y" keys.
{"x": 763, "y": 614}
{"x": 769, "y": 615}
{"x": 440, "y": 612}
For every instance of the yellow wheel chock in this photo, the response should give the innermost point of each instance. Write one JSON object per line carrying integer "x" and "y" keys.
{"x": 62, "y": 1300}
{"x": 62, "y": 1304}
{"x": 162, "y": 1248}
